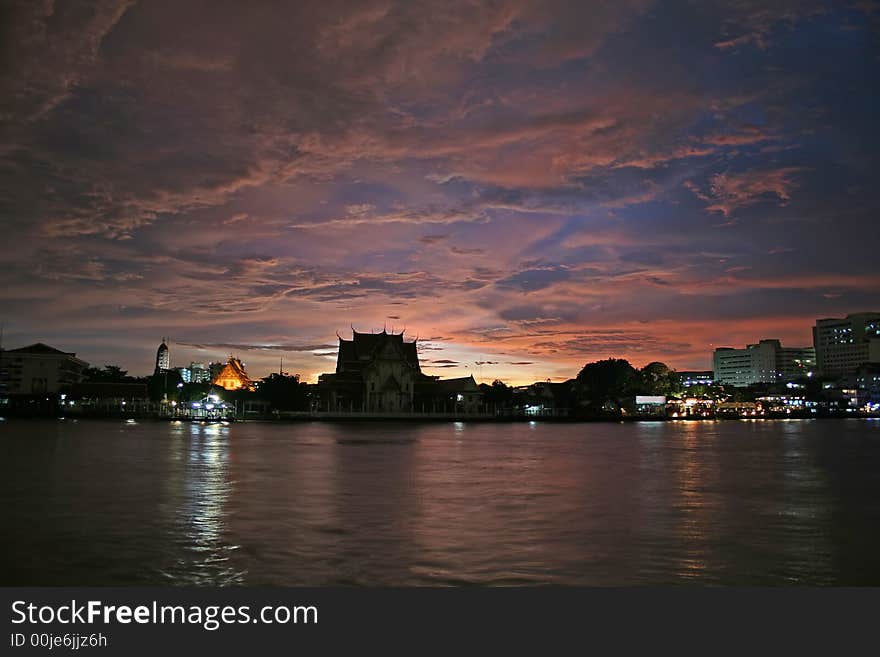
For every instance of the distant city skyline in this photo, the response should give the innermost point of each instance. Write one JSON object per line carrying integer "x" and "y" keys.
{"x": 525, "y": 186}
{"x": 854, "y": 338}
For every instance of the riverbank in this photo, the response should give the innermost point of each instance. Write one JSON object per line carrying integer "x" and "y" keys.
{"x": 368, "y": 418}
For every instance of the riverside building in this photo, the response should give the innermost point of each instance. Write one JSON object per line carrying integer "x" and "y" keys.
{"x": 765, "y": 362}
{"x": 844, "y": 344}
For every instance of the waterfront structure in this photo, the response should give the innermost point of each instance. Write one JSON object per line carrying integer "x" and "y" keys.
{"x": 544, "y": 399}
{"x": 690, "y": 407}
{"x": 380, "y": 373}
{"x": 778, "y": 404}
{"x": 843, "y": 344}
{"x": 461, "y": 395}
{"x": 163, "y": 358}
{"x": 375, "y": 372}
{"x": 650, "y": 405}
{"x": 108, "y": 398}
{"x": 39, "y": 369}
{"x": 765, "y": 362}
{"x": 233, "y": 376}
{"x": 867, "y": 381}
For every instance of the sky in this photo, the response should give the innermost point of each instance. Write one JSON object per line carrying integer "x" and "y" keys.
{"x": 523, "y": 185}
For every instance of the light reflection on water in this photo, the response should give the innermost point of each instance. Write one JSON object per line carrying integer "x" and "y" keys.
{"x": 793, "y": 502}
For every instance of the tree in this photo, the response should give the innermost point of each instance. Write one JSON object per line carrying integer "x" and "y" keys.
{"x": 191, "y": 392}
{"x": 713, "y": 391}
{"x": 163, "y": 385}
{"x": 283, "y": 392}
{"x": 109, "y": 374}
{"x": 497, "y": 396}
{"x": 605, "y": 381}
{"x": 658, "y": 379}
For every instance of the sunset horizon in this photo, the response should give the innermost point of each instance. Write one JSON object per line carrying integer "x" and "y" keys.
{"x": 524, "y": 187}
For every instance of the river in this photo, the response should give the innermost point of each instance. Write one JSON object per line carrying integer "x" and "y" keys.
{"x": 403, "y": 504}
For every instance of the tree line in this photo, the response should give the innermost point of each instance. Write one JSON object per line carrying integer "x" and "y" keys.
{"x": 283, "y": 392}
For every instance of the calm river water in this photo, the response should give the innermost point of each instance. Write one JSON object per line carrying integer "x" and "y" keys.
{"x": 736, "y": 502}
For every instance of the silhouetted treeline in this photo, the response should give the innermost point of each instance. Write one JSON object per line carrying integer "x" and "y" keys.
{"x": 282, "y": 392}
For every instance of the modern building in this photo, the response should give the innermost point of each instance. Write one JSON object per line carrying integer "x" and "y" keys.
{"x": 696, "y": 378}
{"x": 765, "y": 362}
{"x": 185, "y": 374}
{"x": 199, "y": 373}
{"x": 163, "y": 358}
{"x": 233, "y": 376}
{"x": 795, "y": 362}
{"x": 842, "y": 345}
{"x": 867, "y": 380}
{"x": 39, "y": 369}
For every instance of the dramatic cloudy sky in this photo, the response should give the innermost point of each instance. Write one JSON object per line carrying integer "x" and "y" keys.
{"x": 526, "y": 185}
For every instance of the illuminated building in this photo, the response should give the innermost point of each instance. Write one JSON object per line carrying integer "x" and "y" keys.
{"x": 690, "y": 407}
{"x": 868, "y": 385}
{"x": 544, "y": 399}
{"x": 233, "y": 376}
{"x": 650, "y": 405}
{"x": 765, "y": 362}
{"x": 696, "y": 378}
{"x": 842, "y": 345}
{"x": 198, "y": 373}
{"x": 163, "y": 358}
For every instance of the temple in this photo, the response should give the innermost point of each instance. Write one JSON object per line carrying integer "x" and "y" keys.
{"x": 380, "y": 373}
{"x": 233, "y": 376}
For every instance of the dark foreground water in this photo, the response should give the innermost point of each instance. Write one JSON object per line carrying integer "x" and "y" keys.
{"x": 781, "y": 503}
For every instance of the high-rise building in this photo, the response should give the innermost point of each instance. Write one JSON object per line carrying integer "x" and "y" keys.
{"x": 765, "y": 362}
{"x": 163, "y": 358}
{"x": 199, "y": 373}
{"x": 842, "y": 345}
{"x": 795, "y": 362}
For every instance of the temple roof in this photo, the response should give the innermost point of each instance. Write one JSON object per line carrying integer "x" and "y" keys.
{"x": 233, "y": 370}
{"x": 462, "y": 384}
{"x": 363, "y": 348}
